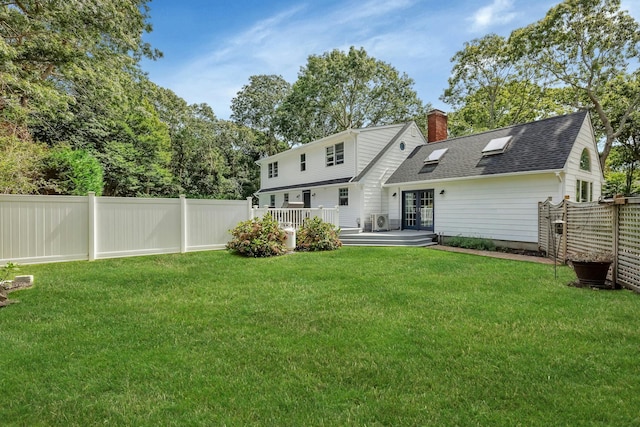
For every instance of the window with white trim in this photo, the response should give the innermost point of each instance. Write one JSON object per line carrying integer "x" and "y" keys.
{"x": 272, "y": 201}
{"x": 303, "y": 162}
{"x": 584, "y": 191}
{"x": 343, "y": 197}
{"x": 585, "y": 160}
{"x": 286, "y": 197}
{"x": 272, "y": 169}
{"x": 340, "y": 153}
{"x": 335, "y": 154}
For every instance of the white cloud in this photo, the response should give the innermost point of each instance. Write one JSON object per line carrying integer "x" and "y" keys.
{"x": 280, "y": 44}
{"x": 497, "y": 13}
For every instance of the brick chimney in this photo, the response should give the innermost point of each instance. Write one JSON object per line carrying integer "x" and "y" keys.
{"x": 436, "y": 126}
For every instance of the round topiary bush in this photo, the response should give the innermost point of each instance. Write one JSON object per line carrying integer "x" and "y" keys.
{"x": 317, "y": 235}
{"x": 258, "y": 237}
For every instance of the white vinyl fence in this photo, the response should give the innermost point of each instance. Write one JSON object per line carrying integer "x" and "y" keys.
{"x": 37, "y": 229}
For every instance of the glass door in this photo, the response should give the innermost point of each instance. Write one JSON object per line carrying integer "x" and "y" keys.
{"x": 417, "y": 210}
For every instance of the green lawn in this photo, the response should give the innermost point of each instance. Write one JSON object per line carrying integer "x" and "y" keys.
{"x": 359, "y": 336}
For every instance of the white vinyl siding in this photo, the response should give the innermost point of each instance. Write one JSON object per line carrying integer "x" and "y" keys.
{"x": 496, "y": 208}
{"x": 371, "y": 141}
{"x": 577, "y": 171}
{"x": 375, "y": 197}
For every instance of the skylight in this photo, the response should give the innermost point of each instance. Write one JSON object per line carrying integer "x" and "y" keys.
{"x": 496, "y": 146}
{"x": 435, "y": 156}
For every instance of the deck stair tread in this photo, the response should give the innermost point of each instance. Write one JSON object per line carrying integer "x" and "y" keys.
{"x": 353, "y": 237}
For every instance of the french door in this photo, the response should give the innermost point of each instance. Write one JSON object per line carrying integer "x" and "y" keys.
{"x": 417, "y": 210}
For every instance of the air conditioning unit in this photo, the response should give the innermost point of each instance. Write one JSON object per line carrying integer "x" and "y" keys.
{"x": 380, "y": 222}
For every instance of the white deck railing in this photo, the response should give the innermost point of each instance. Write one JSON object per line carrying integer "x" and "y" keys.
{"x": 296, "y": 216}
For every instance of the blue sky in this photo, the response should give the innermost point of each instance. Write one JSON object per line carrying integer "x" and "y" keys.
{"x": 212, "y": 47}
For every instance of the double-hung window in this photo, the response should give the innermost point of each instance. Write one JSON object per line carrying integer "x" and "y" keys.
{"x": 335, "y": 154}
{"x": 272, "y": 169}
{"x": 343, "y": 197}
{"x": 303, "y": 162}
{"x": 340, "y": 153}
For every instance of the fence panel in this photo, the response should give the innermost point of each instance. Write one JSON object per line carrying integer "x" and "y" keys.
{"x": 128, "y": 226}
{"x": 612, "y": 226}
{"x": 629, "y": 246}
{"x": 590, "y": 227}
{"x": 209, "y": 222}
{"x": 43, "y": 228}
{"x": 37, "y": 229}
{"x": 548, "y": 240}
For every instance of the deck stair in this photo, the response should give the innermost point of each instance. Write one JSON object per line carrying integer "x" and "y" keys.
{"x": 355, "y": 237}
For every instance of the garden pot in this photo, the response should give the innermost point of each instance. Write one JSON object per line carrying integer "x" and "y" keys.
{"x": 591, "y": 273}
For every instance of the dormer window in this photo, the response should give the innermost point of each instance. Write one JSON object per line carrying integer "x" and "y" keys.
{"x": 496, "y": 146}
{"x": 435, "y": 156}
{"x": 585, "y": 161}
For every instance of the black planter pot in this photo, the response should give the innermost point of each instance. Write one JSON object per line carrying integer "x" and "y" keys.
{"x": 591, "y": 273}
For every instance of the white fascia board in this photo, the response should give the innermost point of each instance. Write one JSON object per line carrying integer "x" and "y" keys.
{"x": 339, "y": 135}
{"x": 474, "y": 177}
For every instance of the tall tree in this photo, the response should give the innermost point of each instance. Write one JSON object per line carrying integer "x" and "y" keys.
{"x": 623, "y": 170}
{"x": 584, "y": 44}
{"x": 490, "y": 88}
{"x": 42, "y": 42}
{"x": 256, "y": 106}
{"x": 337, "y": 91}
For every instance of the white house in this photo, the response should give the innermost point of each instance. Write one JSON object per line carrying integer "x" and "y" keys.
{"x": 489, "y": 184}
{"x": 347, "y": 170}
{"x": 482, "y": 185}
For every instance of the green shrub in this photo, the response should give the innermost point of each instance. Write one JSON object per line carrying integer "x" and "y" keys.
{"x": 258, "y": 237}
{"x": 72, "y": 172}
{"x": 472, "y": 243}
{"x": 317, "y": 235}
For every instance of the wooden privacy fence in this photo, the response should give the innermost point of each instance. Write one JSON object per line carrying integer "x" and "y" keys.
{"x": 612, "y": 226}
{"x": 36, "y": 229}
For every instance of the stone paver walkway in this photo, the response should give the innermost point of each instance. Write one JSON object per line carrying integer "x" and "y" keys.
{"x": 503, "y": 255}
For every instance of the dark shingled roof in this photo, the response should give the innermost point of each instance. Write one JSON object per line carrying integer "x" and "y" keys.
{"x": 536, "y": 146}
{"x": 308, "y": 184}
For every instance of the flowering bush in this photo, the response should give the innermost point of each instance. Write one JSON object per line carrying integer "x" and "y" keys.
{"x": 317, "y": 235}
{"x": 258, "y": 237}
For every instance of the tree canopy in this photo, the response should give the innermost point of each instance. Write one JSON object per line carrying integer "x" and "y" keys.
{"x": 337, "y": 91}
{"x": 583, "y": 45}
{"x": 490, "y": 88}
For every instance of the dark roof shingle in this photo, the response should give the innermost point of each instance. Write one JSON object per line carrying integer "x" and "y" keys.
{"x": 536, "y": 146}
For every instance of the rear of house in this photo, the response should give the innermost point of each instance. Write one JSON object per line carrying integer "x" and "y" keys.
{"x": 347, "y": 170}
{"x": 489, "y": 184}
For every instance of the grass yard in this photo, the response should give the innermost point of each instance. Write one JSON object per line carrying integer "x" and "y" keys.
{"x": 359, "y": 336}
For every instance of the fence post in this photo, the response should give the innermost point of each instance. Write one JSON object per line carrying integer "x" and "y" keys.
{"x": 616, "y": 237}
{"x": 565, "y": 229}
{"x": 91, "y": 200}
{"x": 183, "y": 224}
{"x": 249, "y": 208}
